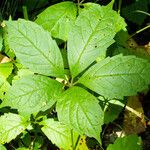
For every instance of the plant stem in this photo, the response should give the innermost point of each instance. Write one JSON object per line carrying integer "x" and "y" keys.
{"x": 119, "y": 6}
{"x": 139, "y": 31}
{"x": 78, "y": 1}
{"x": 101, "y": 147}
{"x": 73, "y": 148}
{"x": 81, "y": 1}
{"x": 65, "y": 45}
{"x": 143, "y": 12}
{"x": 76, "y": 144}
{"x": 104, "y": 131}
{"x": 25, "y": 12}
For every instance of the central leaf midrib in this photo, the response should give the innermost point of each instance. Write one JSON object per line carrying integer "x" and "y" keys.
{"x": 86, "y": 116}
{"x": 111, "y": 75}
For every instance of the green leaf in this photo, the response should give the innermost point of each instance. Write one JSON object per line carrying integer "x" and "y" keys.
{"x": 112, "y": 112}
{"x": 110, "y": 5}
{"x": 4, "y": 86}
{"x": 121, "y": 38}
{"x": 32, "y": 94}
{"x": 59, "y": 133}
{"x": 22, "y": 148}
{"x": 7, "y": 50}
{"x": 112, "y": 109}
{"x": 1, "y": 82}
{"x": 82, "y": 143}
{"x": 120, "y": 24}
{"x": 35, "y": 48}
{"x": 5, "y": 70}
{"x": 126, "y": 143}
{"x": 11, "y": 125}
{"x": 81, "y": 111}
{"x": 118, "y": 21}
{"x": 1, "y": 39}
{"x": 2, "y": 147}
{"x": 118, "y": 76}
{"x": 39, "y": 142}
{"x": 22, "y": 71}
{"x": 90, "y": 37}
{"x": 26, "y": 138}
{"x": 58, "y": 19}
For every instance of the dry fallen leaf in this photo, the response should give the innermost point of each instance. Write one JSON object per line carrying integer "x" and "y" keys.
{"x": 138, "y": 50}
{"x": 134, "y": 121}
{"x": 4, "y": 59}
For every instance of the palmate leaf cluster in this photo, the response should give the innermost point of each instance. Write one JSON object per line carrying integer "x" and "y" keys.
{"x": 86, "y": 32}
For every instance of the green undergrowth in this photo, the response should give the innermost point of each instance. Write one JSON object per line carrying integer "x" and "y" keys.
{"x": 60, "y": 81}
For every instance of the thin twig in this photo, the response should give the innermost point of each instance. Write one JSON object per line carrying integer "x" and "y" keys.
{"x": 143, "y": 12}
{"x": 119, "y": 6}
{"x": 139, "y": 31}
{"x": 25, "y": 12}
